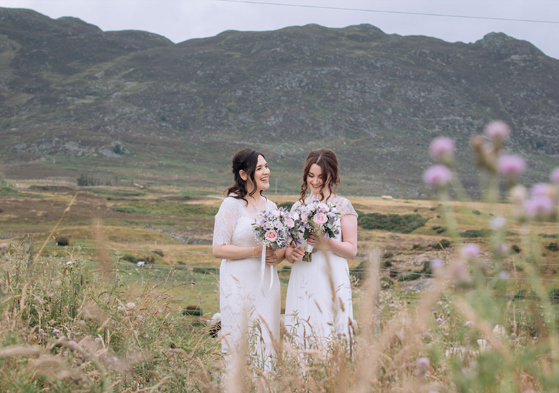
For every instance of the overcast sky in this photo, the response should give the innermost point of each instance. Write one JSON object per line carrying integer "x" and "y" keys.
{"x": 180, "y": 20}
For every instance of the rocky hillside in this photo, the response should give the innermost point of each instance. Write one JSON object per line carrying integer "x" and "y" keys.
{"x": 132, "y": 104}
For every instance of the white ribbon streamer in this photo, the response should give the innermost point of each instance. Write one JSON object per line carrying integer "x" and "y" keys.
{"x": 271, "y": 278}
{"x": 262, "y": 267}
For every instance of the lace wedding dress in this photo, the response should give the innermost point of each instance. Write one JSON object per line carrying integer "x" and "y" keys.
{"x": 313, "y": 311}
{"x": 246, "y": 313}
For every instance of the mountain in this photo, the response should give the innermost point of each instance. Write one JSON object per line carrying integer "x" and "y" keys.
{"x": 71, "y": 95}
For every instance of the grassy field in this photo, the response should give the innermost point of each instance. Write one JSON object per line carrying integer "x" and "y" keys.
{"x": 86, "y": 318}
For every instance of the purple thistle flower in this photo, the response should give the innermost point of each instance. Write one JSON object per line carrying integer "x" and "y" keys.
{"x": 56, "y": 332}
{"x": 439, "y": 320}
{"x": 437, "y": 264}
{"x": 497, "y": 130}
{"x": 441, "y": 147}
{"x": 539, "y": 206}
{"x": 511, "y": 165}
{"x": 555, "y": 176}
{"x": 3, "y": 246}
{"x": 41, "y": 331}
{"x": 97, "y": 339}
{"x": 437, "y": 175}
{"x": 540, "y": 189}
{"x": 72, "y": 342}
{"x": 422, "y": 366}
{"x": 497, "y": 222}
{"x": 470, "y": 251}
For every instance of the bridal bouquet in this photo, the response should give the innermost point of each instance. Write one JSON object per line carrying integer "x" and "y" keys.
{"x": 275, "y": 229}
{"x": 318, "y": 218}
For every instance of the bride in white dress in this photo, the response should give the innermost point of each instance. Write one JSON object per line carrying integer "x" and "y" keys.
{"x": 318, "y": 304}
{"x": 246, "y": 313}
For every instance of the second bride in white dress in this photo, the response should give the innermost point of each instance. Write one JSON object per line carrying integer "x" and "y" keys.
{"x": 319, "y": 304}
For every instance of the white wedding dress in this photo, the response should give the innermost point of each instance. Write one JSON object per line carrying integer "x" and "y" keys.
{"x": 312, "y": 311}
{"x": 246, "y": 313}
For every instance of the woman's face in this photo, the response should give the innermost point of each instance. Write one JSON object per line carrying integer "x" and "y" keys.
{"x": 261, "y": 176}
{"x": 315, "y": 181}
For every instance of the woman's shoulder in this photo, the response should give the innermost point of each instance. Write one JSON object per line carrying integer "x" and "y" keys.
{"x": 343, "y": 205}
{"x": 231, "y": 201}
{"x": 270, "y": 204}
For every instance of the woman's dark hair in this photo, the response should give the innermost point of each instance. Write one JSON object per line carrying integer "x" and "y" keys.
{"x": 327, "y": 161}
{"x": 246, "y": 161}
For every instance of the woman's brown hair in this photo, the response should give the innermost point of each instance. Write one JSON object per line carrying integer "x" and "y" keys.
{"x": 327, "y": 161}
{"x": 244, "y": 160}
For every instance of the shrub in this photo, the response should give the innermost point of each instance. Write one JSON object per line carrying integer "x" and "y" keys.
{"x": 405, "y": 223}
{"x": 443, "y": 243}
{"x": 159, "y": 252}
{"x": 129, "y": 258}
{"x": 62, "y": 241}
{"x": 192, "y": 310}
{"x": 474, "y": 233}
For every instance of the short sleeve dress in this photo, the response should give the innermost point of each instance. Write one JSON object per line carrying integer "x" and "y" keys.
{"x": 312, "y": 311}
{"x": 243, "y": 308}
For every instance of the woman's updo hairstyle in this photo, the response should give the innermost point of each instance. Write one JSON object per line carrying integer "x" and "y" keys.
{"x": 246, "y": 161}
{"x": 327, "y": 161}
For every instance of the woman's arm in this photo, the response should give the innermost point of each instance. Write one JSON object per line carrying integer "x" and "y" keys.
{"x": 347, "y": 248}
{"x": 231, "y": 252}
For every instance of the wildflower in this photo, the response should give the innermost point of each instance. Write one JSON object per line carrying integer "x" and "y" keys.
{"x": 69, "y": 263}
{"x": 511, "y": 165}
{"x": 422, "y": 366}
{"x": 498, "y": 222}
{"x": 3, "y": 246}
{"x": 485, "y": 155}
{"x": 460, "y": 274}
{"x": 504, "y": 275}
{"x": 41, "y": 331}
{"x": 555, "y": 176}
{"x": 499, "y": 330}
{"x": 442, "y": 149}
{"x": 501, "y": 249}
{"x": 483, "y": 345}
{"x": 436, "y": 264}
{"x": 540, "y": 189}
{"x": 437, "y": 175}
{"x": 56, "y": 332}
{"x": 497, "y": 130}
{"x": 539, "y": 207}
{"x": 518, "y": 197}
{"x": 470, "y": 251}
{"x": 130, "y": 305}
{"x": 439, "y": 320}
{"x": 140, "y": 263}
{"x": 72, "y": 342}
{"x": 97, "y": 339}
